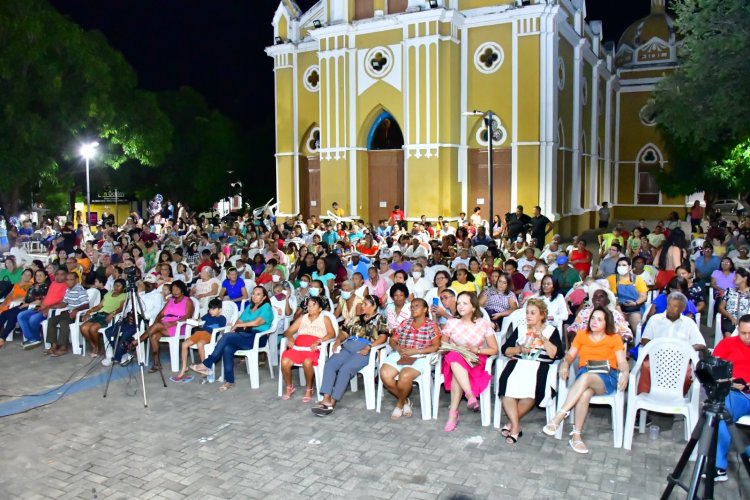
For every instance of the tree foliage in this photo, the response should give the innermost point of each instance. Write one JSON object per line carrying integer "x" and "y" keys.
{"x": 703, "y": 107}
{"x": 61, "y": 85}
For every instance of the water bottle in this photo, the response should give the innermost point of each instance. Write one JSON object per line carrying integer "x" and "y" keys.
{"x": 211, "y": 377}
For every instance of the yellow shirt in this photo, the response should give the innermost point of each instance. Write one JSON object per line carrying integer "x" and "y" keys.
{"x": 469, "y": 286}
{"x": 640, "y": 285}
{"x": 480, "y": 279}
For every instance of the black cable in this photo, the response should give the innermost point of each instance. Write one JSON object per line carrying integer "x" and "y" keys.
{"x": 90, "y": 369}
{"x": 92, "y": 362}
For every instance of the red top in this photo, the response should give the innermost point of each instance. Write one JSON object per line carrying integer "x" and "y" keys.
{"x": 55, "y": 293}
{"x": 734, "y": 350}
{"x": 398, "y": 215}
{"x": 581, "y": 266}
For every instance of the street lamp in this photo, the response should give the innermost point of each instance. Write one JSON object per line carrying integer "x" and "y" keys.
{"x": 489, "y": 121}
{"x": 88, "y": 151}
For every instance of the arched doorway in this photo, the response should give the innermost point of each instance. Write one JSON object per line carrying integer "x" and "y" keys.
{"x": 385, "y": 166}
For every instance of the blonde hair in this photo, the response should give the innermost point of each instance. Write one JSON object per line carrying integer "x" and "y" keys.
{"x": 539, "y": 304}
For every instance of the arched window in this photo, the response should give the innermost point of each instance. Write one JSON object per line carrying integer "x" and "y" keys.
{"x": 650, "y": 162}
{"x": 385, "y": 133}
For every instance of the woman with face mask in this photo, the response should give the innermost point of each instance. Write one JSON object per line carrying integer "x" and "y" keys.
{"x": 349, "y": 304}
{"x": 630, "y": 291}
{"x": 534, "y": 285}
{"x": 417, "y": 284}
{"x": 313, "y": 288}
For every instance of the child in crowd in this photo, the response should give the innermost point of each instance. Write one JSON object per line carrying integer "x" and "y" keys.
{"x": 183, "y": 273}
{"x": 214, "y": 319}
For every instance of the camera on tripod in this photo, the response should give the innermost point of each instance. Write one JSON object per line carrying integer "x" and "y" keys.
{"x": 131, "y": 279}
{"x": 716, "y": 376}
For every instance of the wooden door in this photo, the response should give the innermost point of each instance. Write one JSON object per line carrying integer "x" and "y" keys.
{"x": 364, "y": 9}
{"x": 309, "y": 185}
{"x": 501, "y": 181}
{"x": 396, "y": 6}
{"x": 386, "y": 182}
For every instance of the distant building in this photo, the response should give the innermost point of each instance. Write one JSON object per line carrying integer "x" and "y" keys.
{"x": 371, "y": 108}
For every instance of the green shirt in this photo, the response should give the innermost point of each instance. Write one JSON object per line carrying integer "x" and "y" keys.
{"x": 110, "y": 303}
{"x": 14, "y": 277}
{"x": 566, "y": 278}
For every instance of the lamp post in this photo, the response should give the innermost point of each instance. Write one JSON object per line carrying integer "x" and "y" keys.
{"x": 88, "y": 151}
{"x": 489, "y": 120}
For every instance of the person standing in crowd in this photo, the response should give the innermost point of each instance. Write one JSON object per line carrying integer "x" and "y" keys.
{"x": 541, "y": 226}
{"x": 696, "y": 217}
{"x": 604, "y": 216}
{"x": 517, "y": 223}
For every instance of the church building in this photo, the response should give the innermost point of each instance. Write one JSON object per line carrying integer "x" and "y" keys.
{"x": 394, "y": 102}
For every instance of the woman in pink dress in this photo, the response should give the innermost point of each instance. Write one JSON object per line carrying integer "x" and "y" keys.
{"x": 178, "y": 308}
{"x": 477, "y": 335}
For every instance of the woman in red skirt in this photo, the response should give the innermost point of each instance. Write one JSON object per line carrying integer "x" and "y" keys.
{"x": 313, "y": 329}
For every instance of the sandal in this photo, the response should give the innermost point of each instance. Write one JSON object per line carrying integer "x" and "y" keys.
{"x": 453, "y": 419}
{"x": 407, "y": 411}
{"x": 505, "y": 431}
{"x": 397, "y": 413}
{"x": 513, "y": 438}
{"x": 225, "y": 387}
{"x": 472, "y": 403}
{"x": 322, "y": 410}
{"x": 154, "y": 369}
{"x": 308, "y": 395}
{"x": 200, "y": 368}
{"x": 577, "y": 444}
{"x": 290, "y": 389}
{"x": 551, "y": 428}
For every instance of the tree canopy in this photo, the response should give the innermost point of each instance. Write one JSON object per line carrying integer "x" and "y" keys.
{"x": 62, "y": 85}
{"x": 703, "y": 107}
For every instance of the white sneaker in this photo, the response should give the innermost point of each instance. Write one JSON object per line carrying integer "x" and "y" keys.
{"x": 106, "y": 362}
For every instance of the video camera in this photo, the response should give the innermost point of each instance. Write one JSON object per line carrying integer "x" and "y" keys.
{"x": 716, "y": 376}
{"x": 131, "y": 278}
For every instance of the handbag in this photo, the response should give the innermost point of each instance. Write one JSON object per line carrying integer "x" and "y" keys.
{"x": 594, "y": 366}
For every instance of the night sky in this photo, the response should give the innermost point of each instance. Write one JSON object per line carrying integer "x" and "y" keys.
{"x": 217, "y": 47}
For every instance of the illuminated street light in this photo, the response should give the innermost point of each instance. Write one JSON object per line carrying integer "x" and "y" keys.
{"x": 88, "y": 151}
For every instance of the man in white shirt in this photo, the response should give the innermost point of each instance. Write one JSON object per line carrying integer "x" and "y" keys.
{"x": 416, "y": 250}
{"x": 463, "y": 258}
{"x": 672, "y": 324}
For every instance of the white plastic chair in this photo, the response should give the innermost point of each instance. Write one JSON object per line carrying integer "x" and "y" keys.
{"x": 322, "y": 357}
{"x": 711, "y": 308}
{"x": 480, "y": 250}
{"x": 52, "y": 312}
{"x": 669, "y": 359}
{"x": 180, "y": 333}
{"x": 424, "y": 382}
{"x": 368, "y": 373}
{"x": 744, "y": 420}
{"x": 615, "y": 401}
{"x": 485, "y": 398}
{"x": 78, "y": 343}
{"x": 251, "y": 355}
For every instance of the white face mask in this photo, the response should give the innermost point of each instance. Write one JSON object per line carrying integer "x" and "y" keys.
{"x": 622, "y": 270}
{"x": 538, "y": 276}
{"x": 314, "y": 292}
{"x": 346, "y": 295}
{"x": 304, "y": 284}
{"x": 416, "y": 275}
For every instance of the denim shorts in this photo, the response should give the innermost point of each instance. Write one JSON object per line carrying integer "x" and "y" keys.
{"x": 609, "y": 379}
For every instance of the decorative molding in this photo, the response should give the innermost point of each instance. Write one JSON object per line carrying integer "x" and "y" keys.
{"x": 311, "y": 79}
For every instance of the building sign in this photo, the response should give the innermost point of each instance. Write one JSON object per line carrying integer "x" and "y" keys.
{"x": 111, "y": 196}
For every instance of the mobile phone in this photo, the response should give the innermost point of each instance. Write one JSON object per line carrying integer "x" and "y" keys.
{"x": 435, "y": 301}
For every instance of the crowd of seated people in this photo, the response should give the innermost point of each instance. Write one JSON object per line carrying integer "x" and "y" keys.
{"x": 410, "y": 289}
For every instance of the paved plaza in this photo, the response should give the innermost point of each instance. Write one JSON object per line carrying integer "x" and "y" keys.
{"x": 193, "y": 442}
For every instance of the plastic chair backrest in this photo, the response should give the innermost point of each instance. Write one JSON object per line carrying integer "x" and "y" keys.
{"x": 669, "y": 359}
{"x": 196, "y": 308}
{"x": 334, "y": 322}
{"x": 229, "y": 311}
{"x": 480, "y": 250}
{"x": 516, "y": 318}
{"x": 94, "y": 297}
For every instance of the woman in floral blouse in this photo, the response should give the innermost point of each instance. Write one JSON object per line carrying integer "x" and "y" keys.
{"x": 364, "y": 332}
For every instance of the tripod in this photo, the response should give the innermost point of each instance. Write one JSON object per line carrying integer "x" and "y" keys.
{"x": 705, "y": 435}
{"x": 134, "y": 306}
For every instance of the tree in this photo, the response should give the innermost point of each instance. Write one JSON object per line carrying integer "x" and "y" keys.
{"x": 61, "y": 85}
{"x": 702, "y": 107}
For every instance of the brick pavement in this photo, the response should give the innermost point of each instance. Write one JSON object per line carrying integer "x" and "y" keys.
{"x": 193, "y": 442}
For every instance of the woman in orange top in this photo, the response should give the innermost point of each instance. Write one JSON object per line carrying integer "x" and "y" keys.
{"x": 599, "y": 342}
{"x": 18, "y": 292}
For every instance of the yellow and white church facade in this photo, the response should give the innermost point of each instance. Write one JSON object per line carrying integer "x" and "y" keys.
{"x": 373, "y": 102}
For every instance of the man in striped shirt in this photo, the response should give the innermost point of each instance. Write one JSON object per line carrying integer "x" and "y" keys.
{"x": 76, "y": 299}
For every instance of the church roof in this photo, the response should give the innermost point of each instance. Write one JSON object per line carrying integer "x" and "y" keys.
{"x": 650, "y": 39}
